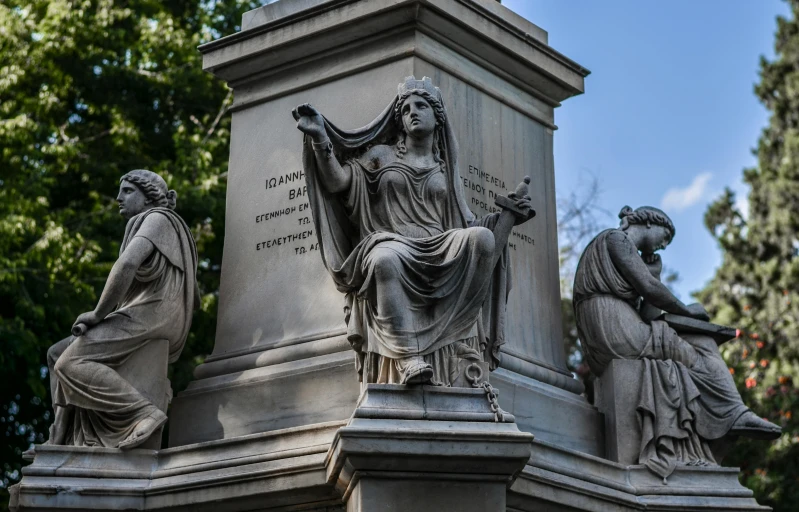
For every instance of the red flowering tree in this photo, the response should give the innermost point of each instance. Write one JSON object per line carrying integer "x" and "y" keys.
{"x": 757, "y": 286}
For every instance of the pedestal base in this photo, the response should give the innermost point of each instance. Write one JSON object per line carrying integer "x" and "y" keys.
{"x": 291, "y": 470}
{"x": 426, "y": 449}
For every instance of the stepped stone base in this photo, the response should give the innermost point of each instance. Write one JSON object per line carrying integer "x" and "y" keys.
{"x": 433, "y": 447}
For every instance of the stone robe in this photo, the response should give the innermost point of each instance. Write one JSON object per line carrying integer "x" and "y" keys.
{"x": 687, "y": 394}
{"x": 103, "y": 407}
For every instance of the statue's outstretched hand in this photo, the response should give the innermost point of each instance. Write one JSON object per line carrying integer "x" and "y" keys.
{"x": 524, "y": 205}
{"x": 310, "y": 122}
{"x": 698, "y": 311}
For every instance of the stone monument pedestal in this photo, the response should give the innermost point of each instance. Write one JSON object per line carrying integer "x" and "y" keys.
{"x": 276, "y": 419}
{"x": 426, "y": 449}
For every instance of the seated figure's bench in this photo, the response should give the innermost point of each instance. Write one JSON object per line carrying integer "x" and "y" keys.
{"x": 146, "y": 370}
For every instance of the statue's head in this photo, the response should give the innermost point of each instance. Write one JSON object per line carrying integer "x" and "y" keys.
{"x": 140, "y": 190}
{"x": 419, "y": 112}
{"x": 419, "y": 109}
{"x": 652, "y": 228}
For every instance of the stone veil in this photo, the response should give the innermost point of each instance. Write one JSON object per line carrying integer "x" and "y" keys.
{"x": 457, "y": 301}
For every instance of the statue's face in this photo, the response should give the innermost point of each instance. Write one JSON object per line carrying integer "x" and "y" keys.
{"x": 131, "y": 200}
{"x": 652, "y": 239}
{"x": 418, "y": 116}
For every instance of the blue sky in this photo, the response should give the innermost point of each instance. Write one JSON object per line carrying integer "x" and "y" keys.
{"x": 669, "y": 117}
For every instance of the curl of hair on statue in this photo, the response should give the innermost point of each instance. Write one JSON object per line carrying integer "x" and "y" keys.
{"x": 441, "y": 118}
{"x": 646, "y": 215}
{"x": 153, "y": 187}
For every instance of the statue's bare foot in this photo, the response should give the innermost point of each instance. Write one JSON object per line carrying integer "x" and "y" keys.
{"x": 143, "y": 430}
{"x": 751, "y": 425}
{"x": 416, "y": 371}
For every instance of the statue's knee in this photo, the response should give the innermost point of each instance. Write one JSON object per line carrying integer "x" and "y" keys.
{"x": 61, "y": 366}
{"x": 483, "y": 240}
{"x": 385, "y": 264}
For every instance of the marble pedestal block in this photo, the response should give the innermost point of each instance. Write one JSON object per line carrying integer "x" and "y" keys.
{"x": 280, "y": 357}
{"x": 616, "y": 394}
{"x": 150, "y": 380}
{"x": 425, "y": 449}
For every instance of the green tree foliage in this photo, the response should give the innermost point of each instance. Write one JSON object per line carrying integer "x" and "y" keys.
{"x": 757, "y": 286}
{"x": 88, "y": 91}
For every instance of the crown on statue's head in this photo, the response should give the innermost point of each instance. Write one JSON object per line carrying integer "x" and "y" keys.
{"x": 411, "y": 84}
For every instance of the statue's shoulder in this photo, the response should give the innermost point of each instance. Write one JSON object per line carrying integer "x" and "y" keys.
{"x": 378, "y": 156}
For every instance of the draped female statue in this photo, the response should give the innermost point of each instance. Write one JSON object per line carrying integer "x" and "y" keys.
{"x": 150, "y": 295}
{"x": 425, "y": 282}
{"x": 687, "y": 395}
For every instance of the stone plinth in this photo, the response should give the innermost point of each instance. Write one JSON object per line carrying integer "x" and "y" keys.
{"x": 442, "y": 453}
{"x": 616, "y": 394}
{"x": 425, "y": 449}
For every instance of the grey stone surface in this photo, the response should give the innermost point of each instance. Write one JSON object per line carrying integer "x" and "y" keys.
{"x": 108, "y": 380}
{"x": 332, "y": 56}
{"x": 290, "y": 470}
{"x": 308, "y": 390}
{"x": 679, "y": 396}
{"x": 557, "y": 479}
{"x": 551, "y": 414}
{"x": 278, "y": 306}
{"x": 451, "y": 455}
{"x": 615, "y": 397}
{"x": 281, "y": 470}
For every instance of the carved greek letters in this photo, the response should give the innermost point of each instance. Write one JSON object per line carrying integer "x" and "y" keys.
{"x": 281, "y": 222}
{"x": 481, "y": 187}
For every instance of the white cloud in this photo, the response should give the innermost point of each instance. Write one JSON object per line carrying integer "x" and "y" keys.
{"x": 678, "y": 199}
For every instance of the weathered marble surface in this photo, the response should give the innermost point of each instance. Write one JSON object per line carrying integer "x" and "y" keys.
{"x": 426, "y": 448}
{"x": 504, "y": 128}
{"x": 289, "y": 469}
{"x": 280, "y": 318}
{"x": 108, "y": 380}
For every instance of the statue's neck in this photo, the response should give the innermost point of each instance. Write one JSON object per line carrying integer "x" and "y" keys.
{"x": 419, "y": 152}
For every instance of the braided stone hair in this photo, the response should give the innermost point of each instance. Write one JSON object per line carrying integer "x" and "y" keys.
{"x": 646, "y": 215}
{"x": 153, "y": 187}
{"x": 438, "y": 111}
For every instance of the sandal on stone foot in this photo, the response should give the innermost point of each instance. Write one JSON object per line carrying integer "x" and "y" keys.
{"x": 132, "y": 441}
{"x": 418, "y": 373}
{"x": 752, "y": 426}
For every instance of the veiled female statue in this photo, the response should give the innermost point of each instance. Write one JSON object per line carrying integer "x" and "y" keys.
{"x": 149, "y": 295}
{"x": 424, "y": 285}
{"x": 687, "y": 395}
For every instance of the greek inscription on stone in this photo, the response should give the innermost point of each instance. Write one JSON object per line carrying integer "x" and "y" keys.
{"x": 283, "y": 240}
{"x": 285, "y": 178}
{"x": 489, "y": 179}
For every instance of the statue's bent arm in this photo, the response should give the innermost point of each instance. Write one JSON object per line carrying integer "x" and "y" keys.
{"x": 122, "y": 275}
{"x": 626, "y": 258}
{"x": 335, "y": 177}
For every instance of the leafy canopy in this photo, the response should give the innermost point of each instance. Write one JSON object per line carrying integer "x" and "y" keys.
{"x": 88, "y": 91}
{"x": 757, "y": 286}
